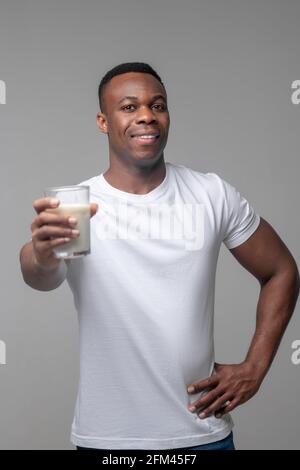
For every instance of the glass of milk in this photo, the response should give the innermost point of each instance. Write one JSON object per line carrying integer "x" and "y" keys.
{"x": 74, "y": 202}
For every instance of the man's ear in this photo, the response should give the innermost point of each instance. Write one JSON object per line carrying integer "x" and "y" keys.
{"x": 102, "y": 122}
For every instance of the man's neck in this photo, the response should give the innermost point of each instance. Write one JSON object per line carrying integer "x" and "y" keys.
{"x": 136, "y": 180}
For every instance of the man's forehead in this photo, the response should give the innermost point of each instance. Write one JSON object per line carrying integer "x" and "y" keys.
{"x": 133, "y": 84}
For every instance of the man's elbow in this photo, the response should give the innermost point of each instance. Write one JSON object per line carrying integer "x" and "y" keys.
{"x": 289, "y": 274}
{"x": 297, "y": 282}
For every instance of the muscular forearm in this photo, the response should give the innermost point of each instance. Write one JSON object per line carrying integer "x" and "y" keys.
{"x": 275, "y": 306}
{"x": 37, "y": 277}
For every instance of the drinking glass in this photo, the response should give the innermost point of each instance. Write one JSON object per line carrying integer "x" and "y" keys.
{"x": 74, "y": 202}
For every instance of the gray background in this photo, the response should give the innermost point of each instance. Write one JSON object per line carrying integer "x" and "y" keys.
{"x": 228, "y": 68}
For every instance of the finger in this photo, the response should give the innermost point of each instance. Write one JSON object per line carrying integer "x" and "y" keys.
{"x": 48, "y": 231}
{"x": 206, "y": 399}
{"x": 231, "y": 404}
{"x": 217, "y": 365}
{"x": 47, "y": 245}
{"x": 213, "y": 407}
{"x": 203, "y": 384}
{"x": 40, "y": 205}
{"x": 49, "y": 218}
{"x": 218, "y": 413}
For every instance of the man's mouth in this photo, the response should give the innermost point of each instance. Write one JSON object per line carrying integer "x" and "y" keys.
{"x": 146, "y": 138}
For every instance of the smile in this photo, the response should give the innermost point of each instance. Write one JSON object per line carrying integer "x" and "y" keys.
{"x": 146, "y": 139}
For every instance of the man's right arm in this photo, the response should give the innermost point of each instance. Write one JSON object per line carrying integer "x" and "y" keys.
{"x": 40, "y": 268}
{"x": 37, "y": 276}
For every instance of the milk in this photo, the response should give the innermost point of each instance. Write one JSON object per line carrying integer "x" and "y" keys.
{"x": 79, "y": 246}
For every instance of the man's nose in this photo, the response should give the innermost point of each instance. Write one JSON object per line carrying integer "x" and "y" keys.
{"x": 145, "y": 115}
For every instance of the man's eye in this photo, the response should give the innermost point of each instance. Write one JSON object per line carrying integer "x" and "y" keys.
{"x": 160, "y": 105}
{"x": 128, "y": 106}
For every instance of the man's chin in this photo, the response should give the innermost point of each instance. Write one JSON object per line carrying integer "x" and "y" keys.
{"x": 145, "y": 159}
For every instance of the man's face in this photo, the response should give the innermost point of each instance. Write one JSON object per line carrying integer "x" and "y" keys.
{"x": 135, "y": 106}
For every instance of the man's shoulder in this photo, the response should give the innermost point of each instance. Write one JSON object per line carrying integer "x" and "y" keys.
{"x": 93, "y": 183}
{"x": 191, "y": 175}
{"x": 89, "y": 181}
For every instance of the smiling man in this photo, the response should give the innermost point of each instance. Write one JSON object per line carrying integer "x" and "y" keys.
{"x": 145, "y": 298}
{"x": 136, "y": 119}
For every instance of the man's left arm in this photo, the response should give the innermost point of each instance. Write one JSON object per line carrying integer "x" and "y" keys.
{"x": 265, "y": 256}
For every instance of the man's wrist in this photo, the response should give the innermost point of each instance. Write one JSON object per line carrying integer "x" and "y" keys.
{"x": 257, "y": 368}
{"x": 39, "y": 266}
{"x": 59, "y": 269}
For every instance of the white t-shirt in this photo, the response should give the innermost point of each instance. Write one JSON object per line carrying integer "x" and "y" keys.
{"x": 145, "y": 303}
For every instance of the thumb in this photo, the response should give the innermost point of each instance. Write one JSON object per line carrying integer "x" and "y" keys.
{"x": 94, "y": 208}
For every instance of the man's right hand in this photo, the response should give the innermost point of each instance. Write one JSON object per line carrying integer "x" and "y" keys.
{"x": 50, "y": 230}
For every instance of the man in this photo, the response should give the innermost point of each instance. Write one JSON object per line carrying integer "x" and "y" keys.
{"x": 145, "y": 294}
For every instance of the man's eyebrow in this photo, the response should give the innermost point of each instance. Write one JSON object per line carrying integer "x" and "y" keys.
{"x": 155, "y": 97}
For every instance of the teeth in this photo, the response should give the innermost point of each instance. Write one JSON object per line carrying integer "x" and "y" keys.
{"x": 146, "y": 136}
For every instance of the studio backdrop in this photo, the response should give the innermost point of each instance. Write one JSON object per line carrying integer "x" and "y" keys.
{"x": 232, "y": 75}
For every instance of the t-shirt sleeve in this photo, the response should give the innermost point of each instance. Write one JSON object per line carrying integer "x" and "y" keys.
{"x": 240, "y": 220}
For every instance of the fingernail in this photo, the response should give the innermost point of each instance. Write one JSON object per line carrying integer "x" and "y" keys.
{"x": 191, "y": 389}
{"x": 202, "y": 415}
{"x": 53, "y": 202}
{"x": 72, "y": 220}
{"x": 218, "y": 415}
{"x": 192, "y": 408}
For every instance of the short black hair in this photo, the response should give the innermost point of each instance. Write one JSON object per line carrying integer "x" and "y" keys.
{"x": 126, "y": 67}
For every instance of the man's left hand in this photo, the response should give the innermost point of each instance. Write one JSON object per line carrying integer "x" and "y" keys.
{"x": 230, "y": 386}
